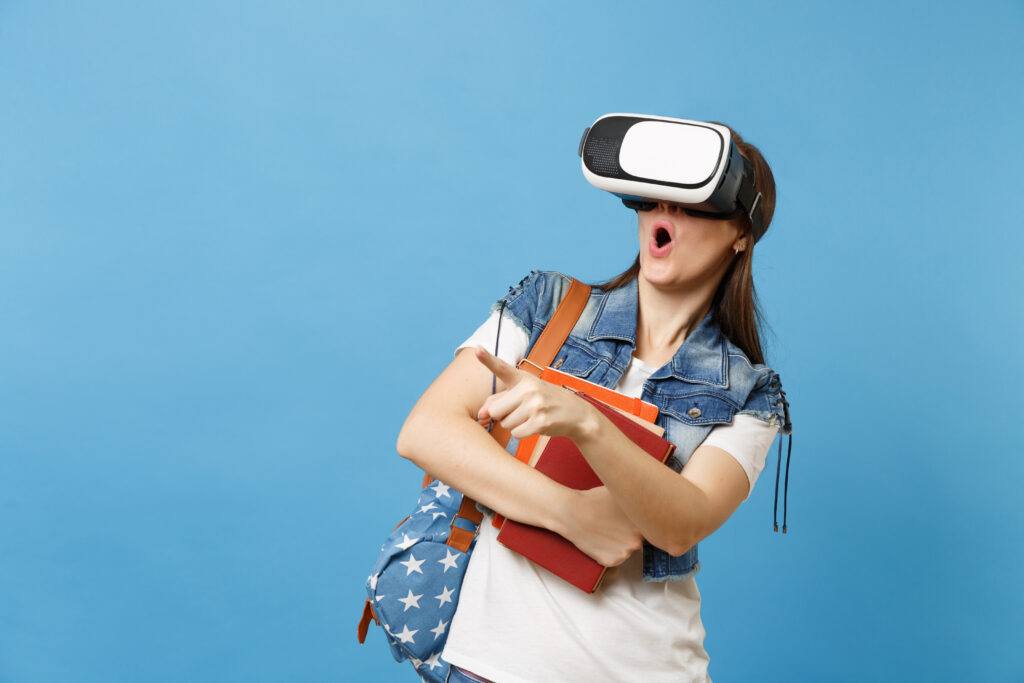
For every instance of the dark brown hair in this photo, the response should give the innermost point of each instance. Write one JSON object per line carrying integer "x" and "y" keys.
{"x": 735, "y": 308}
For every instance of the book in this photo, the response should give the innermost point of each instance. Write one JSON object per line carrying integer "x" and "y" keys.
{"x": 560, "y": 459}
{"x": 629, "y": 405}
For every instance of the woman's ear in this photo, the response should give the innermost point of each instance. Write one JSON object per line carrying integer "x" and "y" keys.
{"x": 745, "y": 240}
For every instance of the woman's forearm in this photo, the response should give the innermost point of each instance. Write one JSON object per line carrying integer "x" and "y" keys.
{"x": 453, "y": 447}
{"x": 457, "y": 450}
{"x": 668, "y": 509}
{"x": 442, "y": 436}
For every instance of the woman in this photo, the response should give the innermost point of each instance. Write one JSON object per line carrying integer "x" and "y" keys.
{"x": 720, "y": 405}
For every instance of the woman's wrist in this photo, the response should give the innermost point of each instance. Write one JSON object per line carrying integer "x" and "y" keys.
{"x": 559, "y": 513}
{"x": 588, "y": 427}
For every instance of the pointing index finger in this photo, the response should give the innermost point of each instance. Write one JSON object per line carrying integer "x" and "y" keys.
{"x": 502, "y": 370}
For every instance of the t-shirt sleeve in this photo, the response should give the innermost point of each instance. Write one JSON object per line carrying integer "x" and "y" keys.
{"x": 512, "y": 343}
{"x": 748, "y": 440}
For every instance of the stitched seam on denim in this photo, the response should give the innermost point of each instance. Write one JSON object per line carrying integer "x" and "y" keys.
{"x": 773, "y": 399}
{"x": 714, "y": 396}
{"x": 510, "y": 315}
{"x": 752, "y": 366}
{"x": 686, "y": 419}
{"x": 696, "y": 380}
{"x": 763, "y": 415}
{"x": 674, "y": 577}
{"x": 664, "y": 562}
{"x": 593, "y": 336}
{"x": 545, "y": 289}
{"x": 514, "y": 294}
{"x": 569, "y": 341}
{"x": 520, "y": 288}
{"x": 765, "y": 377}
{"x": 582, "y": 374}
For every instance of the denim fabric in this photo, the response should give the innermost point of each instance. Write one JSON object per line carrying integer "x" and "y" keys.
{"x": 707, "y": 382}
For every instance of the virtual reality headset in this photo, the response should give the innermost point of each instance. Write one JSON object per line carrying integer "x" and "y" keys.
{"x": 647, "y": 159}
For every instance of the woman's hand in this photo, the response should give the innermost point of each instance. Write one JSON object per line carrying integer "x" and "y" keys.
{"x": 529, "y": 405}
{"x": 590, "y": 519}
{"x": 595, "y": 524}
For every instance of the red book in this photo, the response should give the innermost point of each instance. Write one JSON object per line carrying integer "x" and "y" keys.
{"x": 561, "y": 460}
{"x": 527, "y": 449}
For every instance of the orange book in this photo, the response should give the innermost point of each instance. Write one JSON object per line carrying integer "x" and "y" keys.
{"x": 561, "y": 460}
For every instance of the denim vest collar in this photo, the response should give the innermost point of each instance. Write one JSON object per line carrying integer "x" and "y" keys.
{"x": 703, "y": 358}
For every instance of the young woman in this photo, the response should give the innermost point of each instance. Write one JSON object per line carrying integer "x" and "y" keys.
{"x": 678, "y": 328}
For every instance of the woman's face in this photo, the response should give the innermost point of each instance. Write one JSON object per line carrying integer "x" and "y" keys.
{"x": 682, "y": 251}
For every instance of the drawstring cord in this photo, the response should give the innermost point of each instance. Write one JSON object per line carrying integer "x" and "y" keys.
{"x": 778, "y": 464}
{"x": 785, "y": 491}
{"x": 497, "y": 338}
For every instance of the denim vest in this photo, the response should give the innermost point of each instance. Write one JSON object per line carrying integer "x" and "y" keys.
{"x": 707, "y": 382}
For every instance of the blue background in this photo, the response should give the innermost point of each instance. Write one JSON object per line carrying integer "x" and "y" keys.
{"x": 237, "y": 240}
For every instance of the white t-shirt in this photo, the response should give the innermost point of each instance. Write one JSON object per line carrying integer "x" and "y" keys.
{"x": 518, "y": 623}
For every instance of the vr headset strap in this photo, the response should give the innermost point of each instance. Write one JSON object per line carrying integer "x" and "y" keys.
{"x": 750, "y": 200}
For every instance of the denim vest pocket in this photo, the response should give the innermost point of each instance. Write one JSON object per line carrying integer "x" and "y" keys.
{"x": 699, "y": 408}
{"x": 689, "y": 417}
{"x": 574, "y": 359}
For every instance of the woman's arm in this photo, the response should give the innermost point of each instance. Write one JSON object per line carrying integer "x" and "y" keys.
{"x": 672, "y": 512}
{"x": 442, "y": 436}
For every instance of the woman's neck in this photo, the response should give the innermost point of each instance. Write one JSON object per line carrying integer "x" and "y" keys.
{"x": 665, "y": 319}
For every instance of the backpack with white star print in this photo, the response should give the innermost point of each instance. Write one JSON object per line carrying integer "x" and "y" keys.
{"x": 414, "y": 585}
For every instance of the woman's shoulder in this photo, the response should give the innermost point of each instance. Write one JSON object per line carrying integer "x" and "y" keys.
{"x": 738, "y": 356}
{"x": 766, "y": 399}
{"x": 543, "y": 285}
{"x": 533, "y": 300}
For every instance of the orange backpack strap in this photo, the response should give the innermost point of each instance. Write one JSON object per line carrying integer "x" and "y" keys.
{"x": 543, "y": 352}
{"x": 500, "y": 434}
{"x": 364, "y": 622}
{"x": 551, "y": 339}
{"x": 558, "y": 328}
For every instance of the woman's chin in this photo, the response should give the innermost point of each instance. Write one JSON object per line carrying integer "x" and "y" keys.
{"x": 657, "y": 271}
{"x": 664, "y": 276}
{"x": 661, "y": 280}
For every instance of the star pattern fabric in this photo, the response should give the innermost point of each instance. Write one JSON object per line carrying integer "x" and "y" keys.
{"x": 414, "y": 585}
{"x": 450, "y": 562}
{"x": 445, "y": 596}
{"x": 413, "y": 565}
{"x": 440, "y": 629}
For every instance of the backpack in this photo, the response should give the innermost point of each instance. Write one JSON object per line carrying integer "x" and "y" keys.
{"x": 414, "y": 586}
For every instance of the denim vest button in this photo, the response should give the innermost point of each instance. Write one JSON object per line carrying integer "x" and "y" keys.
{"x": 558, "y": 363}
{"x": 693, "y": 412}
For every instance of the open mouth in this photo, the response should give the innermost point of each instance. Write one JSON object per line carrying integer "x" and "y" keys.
{"x": 662, "y": 237}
